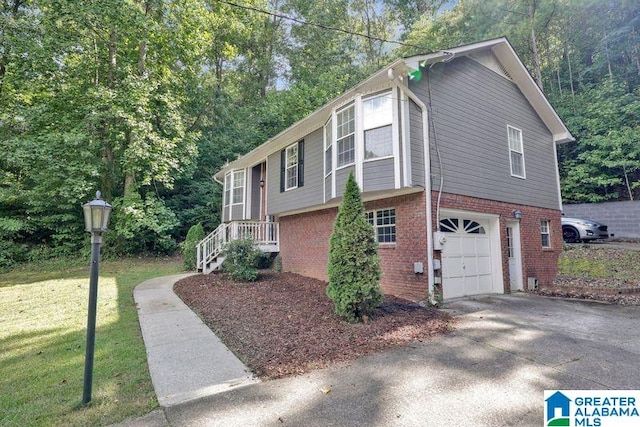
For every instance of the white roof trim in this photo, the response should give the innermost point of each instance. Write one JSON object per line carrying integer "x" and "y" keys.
{"x": 382, "y": 79}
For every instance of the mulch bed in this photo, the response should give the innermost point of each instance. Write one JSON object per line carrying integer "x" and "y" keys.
{"x": 284, "y": 324}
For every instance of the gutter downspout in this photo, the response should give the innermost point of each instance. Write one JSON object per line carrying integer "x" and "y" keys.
{"x": 427, "y": 184}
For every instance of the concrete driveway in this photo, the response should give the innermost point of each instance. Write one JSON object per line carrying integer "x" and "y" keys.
{"x": 491, "y": 371}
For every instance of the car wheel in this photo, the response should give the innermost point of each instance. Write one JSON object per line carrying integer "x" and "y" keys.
{"x": 570, "y": 235}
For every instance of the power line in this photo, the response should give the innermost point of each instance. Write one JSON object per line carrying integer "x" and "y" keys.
{"x": 315, "y": 24}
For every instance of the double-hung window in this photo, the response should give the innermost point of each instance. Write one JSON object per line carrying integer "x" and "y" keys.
{"x": 516, "y": 152}
{"x": 377, "y": 119}
{"x": 545, "y": 234}
{"x": 227, "y": 188}
{"x": 237, "y": 192}
{"x": 292, "y": 167}
{"x": 384, "y": 223}
{"x": 345, "y": 138}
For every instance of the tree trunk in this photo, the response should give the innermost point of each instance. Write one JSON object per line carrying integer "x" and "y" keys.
{"x": 3, "y": 71}
{"x": 108, "y": 157}
{"x": 606, "y": 51}
{"x": 106, "y": 178}
{"x": 143, "y": 46}
{"x": 573, "y": 93}
{"x": 113, "y": 39}
{"x": 129, "y": 183}
{"x": 626, "y": 180}
{"x": 97, "y": 61}
{"x": 534, "y": 45}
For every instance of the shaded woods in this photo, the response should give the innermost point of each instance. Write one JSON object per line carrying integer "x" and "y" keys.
{"x": 145, "y": 99}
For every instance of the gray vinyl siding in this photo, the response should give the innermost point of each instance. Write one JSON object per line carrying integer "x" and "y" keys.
{"x": 378, "y": 175}
{"x": 237, "y": 212}
{"x": 225, "y": 214}
{"x": 472, "y": 107}
{"x": 341, "y": 179}
{"x": 311, "y": 193}
{"x": 416, "y": 144}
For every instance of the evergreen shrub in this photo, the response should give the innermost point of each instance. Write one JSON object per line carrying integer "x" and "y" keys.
{"x": 189, "y": 252}
{"x": 354, "y": 265}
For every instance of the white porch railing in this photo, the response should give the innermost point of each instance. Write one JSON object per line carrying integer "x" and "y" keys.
{"x": 210, "y": 249}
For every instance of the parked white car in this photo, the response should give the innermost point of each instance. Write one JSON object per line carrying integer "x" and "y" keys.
{"x": 575, "y": 230}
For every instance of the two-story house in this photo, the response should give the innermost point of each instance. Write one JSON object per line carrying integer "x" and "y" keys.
{"x": 455, "y": 153}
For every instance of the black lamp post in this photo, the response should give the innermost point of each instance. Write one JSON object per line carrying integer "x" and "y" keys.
{"x": 96, "y": 220}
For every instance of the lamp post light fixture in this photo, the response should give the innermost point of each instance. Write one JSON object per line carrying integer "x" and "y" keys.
{"x": 96, "y": 220}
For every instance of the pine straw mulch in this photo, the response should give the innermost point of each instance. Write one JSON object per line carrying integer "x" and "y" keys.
{"x": 283, "y": 324}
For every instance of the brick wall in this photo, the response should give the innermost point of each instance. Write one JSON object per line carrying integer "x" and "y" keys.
{"x": 304, "y": 241}
{"x": 537, "y": 262}
{"x": 304, "y": 245}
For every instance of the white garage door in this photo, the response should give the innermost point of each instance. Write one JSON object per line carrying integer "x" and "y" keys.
{"x": 466, "y": 257}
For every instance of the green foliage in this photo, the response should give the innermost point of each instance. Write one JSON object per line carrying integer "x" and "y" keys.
{"x": 140, "y": 226}
{"x": 193, "y": 84}
{"x": 277, "y": 263}
{"x": 189, "y": 251}
{"x": 242, "y": 257}
{"x": 12, "y": 252}
{"x": 354, "y": 265}
{"x": 604, "y": 163}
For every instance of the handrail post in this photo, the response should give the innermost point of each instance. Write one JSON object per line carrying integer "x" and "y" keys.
{"x": 198, "y": 259}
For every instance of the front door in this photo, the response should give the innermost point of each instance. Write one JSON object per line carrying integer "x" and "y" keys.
{"x": 514, "y": 255}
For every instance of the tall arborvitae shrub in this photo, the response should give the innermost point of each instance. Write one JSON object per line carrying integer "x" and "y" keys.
{"x": 194, "y": 235}
{"x": 354, "y": 266}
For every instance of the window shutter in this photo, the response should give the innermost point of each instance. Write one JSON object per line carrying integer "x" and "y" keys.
{"x": 283, "y": 165}
{"x": 301, "y": 163}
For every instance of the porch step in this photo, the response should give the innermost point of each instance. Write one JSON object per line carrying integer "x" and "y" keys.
{"x": 215, "y": 264}
{"x": 210, "y": 249}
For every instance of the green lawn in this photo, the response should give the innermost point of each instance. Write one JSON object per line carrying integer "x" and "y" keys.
{"x": 43, "y": 314}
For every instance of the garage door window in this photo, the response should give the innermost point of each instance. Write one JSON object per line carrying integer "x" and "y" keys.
{"x": 468, "y": 226}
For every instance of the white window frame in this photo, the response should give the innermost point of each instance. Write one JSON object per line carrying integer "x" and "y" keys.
{"x": 328, "y": 146}
{"x": 372, "y": 217}
{"x": 332, "y": 141}
{"x": 545, "y": 230}
{"x": 291, "y": 167}
{"x": 516, "y": 146}
{"x": 342, "y": 110}
{"x": 235, "y": 187}
{"x": 227, "y": 189}
{"x": 384, "y": 124}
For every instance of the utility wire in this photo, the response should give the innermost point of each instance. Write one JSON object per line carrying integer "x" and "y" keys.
{"x": 315, "y": 24}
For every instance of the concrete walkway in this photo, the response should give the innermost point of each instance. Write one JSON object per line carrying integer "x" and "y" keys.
{"x": 492, "y": 371}
{"x": 186, "y": 359}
